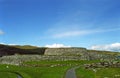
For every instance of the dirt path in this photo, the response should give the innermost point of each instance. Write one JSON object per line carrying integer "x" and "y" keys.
{"x": 71, "y": 73}
{"x": 18, "y": 76}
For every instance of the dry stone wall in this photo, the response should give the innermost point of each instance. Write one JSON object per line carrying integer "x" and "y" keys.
{"x": 65, "y": 51}
{"x": 18, "y": 59}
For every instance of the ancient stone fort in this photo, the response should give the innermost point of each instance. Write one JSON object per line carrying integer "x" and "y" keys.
{"x": 65, "y": 51}
{"x": 13, "y": 55}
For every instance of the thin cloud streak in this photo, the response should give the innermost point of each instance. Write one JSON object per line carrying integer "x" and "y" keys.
{"x": 70, "y": 33}
{"x": 82, "y": 32}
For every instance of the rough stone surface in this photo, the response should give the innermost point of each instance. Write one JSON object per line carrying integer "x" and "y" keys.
{"x": 18, "y": 59}
{"x": 65, "y": 51}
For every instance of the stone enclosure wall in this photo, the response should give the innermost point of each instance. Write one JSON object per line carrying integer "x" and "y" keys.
{"x": 65, "y": 51}
{"x": 18, "y": 59}
{"x": 55, "y": 54}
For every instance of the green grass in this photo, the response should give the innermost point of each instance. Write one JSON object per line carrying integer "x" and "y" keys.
{"x": 83, "y": 73}
{"x": 41, "y": 69}
{"x": 101, "y": 73}
{"x": 108, "y": 72}
{"x": 44, "y": 69}
{"x": 7, "y": 75}
{"x": 35, "y": 72}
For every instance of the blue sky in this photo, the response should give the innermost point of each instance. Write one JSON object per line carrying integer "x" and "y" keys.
{"x": 78, "y": 23}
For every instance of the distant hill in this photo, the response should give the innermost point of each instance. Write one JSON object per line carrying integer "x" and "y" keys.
{"x": 28, "y": 49}
{"x": 11, "y": 50}
{"x": 25, "y": 47}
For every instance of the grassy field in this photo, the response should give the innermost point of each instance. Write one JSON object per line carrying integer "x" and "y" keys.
{"x": 55, "y": 69}
{"x": 100, "y": 73}
{"x": 34, "y": 72}
{"x": 40, "y": 69}
{"x": 7, "y": 75}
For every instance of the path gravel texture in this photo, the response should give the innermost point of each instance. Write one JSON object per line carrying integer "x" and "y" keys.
{"x": 71, "y": 73}
{"x": 19, "y": 76}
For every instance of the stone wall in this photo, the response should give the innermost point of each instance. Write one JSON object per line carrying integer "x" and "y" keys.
{"x": 65, "y": 51}
{"x": 18, "y": 59}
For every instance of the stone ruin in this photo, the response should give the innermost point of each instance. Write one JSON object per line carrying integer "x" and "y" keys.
{"x": 103, "y": 65}
{"x": 65, "y": 51}
{"x": 72, "y": 53}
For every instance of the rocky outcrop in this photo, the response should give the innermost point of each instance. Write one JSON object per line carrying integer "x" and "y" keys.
{"x": 103, "y": 64}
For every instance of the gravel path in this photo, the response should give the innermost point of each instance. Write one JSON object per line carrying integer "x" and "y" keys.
{"x": 19, "y": 76}
{"x": 71, "y": 73}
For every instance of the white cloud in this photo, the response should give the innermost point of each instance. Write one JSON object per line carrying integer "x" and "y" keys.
{"x": 1, "y": 32}
{"x": 56, "y": 46}
{"x": 2, "y": 43}
{"x": 12, "y": 44}
{"x": 108, "y": 47}
{"x": 8, "y": 44}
